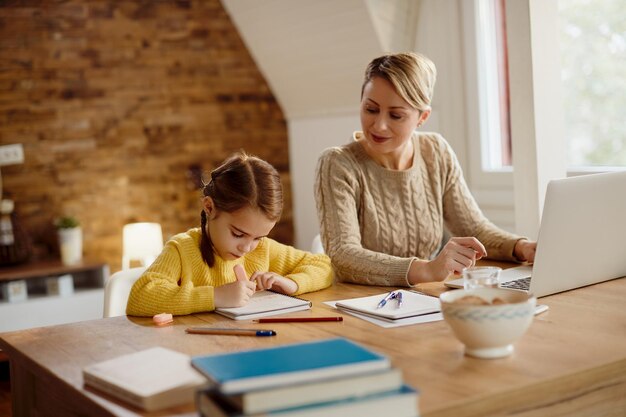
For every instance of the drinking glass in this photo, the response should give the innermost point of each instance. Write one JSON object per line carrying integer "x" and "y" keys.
{"x": 481, "y": 277}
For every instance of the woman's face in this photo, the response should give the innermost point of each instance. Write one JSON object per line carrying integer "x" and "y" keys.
{"x": 387, "y": 119}
{"x": 235, "y": 234}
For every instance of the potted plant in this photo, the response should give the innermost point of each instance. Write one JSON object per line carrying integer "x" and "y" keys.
{"x": 70, "y": 240}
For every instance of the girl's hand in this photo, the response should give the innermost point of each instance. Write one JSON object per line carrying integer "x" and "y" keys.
{"x": 235, "y": 294}
{"x": 524, "y": 250}
{"x": 275, "y": 282}
{"x": 458, "y": 253}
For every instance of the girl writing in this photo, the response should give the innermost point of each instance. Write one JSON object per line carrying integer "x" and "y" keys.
{"x": 223, "y": 262}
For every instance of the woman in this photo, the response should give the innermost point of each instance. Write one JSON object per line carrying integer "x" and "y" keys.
{"x": 383, "y": 199}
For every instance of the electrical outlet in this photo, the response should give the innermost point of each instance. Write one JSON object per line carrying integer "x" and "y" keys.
{"x": 11, "y": 154}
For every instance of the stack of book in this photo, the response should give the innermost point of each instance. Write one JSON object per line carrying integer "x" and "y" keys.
{"x": 333, "y": 377}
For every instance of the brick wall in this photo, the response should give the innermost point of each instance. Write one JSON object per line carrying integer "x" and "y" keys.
{"x": 116, "y": 104}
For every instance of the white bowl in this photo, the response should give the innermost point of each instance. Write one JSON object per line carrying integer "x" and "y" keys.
{"x": 488, "y": 331}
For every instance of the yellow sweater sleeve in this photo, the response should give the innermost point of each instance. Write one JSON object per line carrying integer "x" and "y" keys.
{"x": 312, "y": 272}
{"x": 177, "y": 282}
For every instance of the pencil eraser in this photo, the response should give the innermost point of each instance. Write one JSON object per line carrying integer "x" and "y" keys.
{"x": 163, "y": 318}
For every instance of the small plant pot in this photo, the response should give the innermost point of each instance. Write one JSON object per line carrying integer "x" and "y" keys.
{"x": 71, "y": 245}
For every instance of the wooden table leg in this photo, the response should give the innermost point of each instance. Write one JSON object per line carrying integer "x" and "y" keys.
{"x": 22, "y": 390}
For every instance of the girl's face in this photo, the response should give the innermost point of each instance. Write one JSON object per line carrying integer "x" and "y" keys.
{"x": 387, "y": 119}
{"x": 237, "y": 233}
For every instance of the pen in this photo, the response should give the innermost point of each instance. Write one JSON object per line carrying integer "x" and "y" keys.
{"x": 297, "y": 319}
{"x": 398, "y": 296}
{"x": 382, "y": 302}
{"x": 230, "y": 331}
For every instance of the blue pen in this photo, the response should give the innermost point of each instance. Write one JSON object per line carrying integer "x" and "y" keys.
{"x": 230, "y": 331}
{"x": 388, "y": 297}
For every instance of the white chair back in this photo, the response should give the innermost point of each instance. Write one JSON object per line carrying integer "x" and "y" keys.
{"x": 316, "y": 245}
{"x": 117, "y": 289}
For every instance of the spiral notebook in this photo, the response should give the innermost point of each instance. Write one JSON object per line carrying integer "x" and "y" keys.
{"x": 263, "y": 304}
{"x": 413, "y": 304}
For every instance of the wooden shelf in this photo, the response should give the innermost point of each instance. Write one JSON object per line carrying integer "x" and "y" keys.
{"x": 45, "y": 268}
{"x": 43, "y": 309}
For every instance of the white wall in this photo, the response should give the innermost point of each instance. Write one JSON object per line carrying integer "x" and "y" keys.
{"x": 308, "y": 137}
{"x": 312, "y": 53}
{"x": 537, "y": 120}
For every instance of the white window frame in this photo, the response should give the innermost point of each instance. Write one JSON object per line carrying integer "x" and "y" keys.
{"x": 493, "y": 189}
{"x": 479, "y": 125}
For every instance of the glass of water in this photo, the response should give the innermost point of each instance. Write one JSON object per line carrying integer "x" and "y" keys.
{"x": 481, "y": 277}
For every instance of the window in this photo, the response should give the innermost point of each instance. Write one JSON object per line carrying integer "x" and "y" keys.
{"x": 593, "y": 52}
{"x": 593, "y": 55}
{"x": 495, "y": 130}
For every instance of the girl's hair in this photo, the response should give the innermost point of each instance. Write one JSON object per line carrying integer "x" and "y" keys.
{"x": 241, "y": 181}
{"x": 412, "y": 75}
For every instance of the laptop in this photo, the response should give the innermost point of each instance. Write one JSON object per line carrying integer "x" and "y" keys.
{"x": 581, "y": 237}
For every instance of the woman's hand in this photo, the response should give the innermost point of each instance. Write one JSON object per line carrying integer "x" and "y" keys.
{"x": 458, "y": 253}
{"x": 274, "y": 282}
{"x": 524, "y": 250}
{"x": 235, "y": 294}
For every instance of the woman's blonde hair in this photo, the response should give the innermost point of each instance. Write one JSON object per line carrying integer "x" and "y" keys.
{"x": 241, "y": 181}
{"x": 412, "y": 75}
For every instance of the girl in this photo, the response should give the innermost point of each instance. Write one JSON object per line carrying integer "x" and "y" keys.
{"x": 208, "y": 267}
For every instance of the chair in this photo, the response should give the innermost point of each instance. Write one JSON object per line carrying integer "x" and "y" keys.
{"x": 117, "y": 290}
{"x": 316, "y": 245}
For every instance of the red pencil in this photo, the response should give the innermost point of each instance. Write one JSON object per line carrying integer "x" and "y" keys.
{"x": 298, "y": 319}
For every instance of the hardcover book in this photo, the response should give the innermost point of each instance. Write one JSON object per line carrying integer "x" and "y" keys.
{"x": 401, "y": 402}
{"x": 248, "y": 370}
{"x": 333, "y": 389}
{"x": 150, "y": 379}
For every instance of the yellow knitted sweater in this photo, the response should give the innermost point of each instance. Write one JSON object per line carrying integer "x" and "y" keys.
{"x": 180, "y": 282}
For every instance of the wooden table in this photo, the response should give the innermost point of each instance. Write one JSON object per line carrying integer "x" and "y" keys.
{"x": 571, "y": 362}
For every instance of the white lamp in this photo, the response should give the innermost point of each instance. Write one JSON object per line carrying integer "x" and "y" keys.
{"x": 143, "y": 242}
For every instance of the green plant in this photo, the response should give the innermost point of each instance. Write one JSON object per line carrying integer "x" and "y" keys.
{"x": 66, "y": 222}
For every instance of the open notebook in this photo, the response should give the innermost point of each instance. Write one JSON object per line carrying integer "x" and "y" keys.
{"x": 263, "y": 304}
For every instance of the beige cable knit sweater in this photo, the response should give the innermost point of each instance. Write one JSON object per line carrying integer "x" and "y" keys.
{"x": 375, "y": 221}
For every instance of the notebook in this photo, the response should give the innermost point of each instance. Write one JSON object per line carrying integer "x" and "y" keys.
{"x": 581, "y": 237}
{"x": 413, "y": 304}
{"x": 263, "y": 304}
{"x": 276, "y": 366}
{"x": 150, "y": 379}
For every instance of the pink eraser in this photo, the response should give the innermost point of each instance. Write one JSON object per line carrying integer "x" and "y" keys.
{"x": 163, "y": 318}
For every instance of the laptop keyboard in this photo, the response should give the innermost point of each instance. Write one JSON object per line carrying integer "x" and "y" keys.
{"x": 518, "y": 284}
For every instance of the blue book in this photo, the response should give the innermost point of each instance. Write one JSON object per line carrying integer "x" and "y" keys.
{"x": 289, "y": 364}
{"x": 401, "y": 402}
